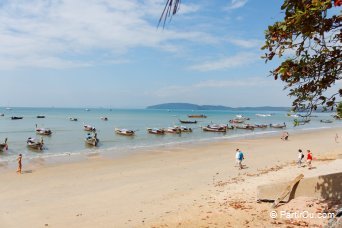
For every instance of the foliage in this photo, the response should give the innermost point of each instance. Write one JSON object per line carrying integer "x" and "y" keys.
{"x": 170, "y": 9}
{"x": 310, "y": 38}
{"x": 339, "y": 110}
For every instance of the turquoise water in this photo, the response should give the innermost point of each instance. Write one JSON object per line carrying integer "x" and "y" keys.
{"x": 68, "y": 136}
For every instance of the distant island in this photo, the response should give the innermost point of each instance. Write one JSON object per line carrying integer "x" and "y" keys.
{"x": 188, "y": 106}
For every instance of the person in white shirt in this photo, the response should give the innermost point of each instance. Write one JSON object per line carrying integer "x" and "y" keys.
{"x": 300, "y": 158}
{"x": 237, "y": 156}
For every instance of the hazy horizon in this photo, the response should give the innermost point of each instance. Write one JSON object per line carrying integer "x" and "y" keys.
{"x": 112, "y": 107}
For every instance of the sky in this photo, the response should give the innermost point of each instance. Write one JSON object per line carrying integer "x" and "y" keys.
{"x": 110, "y": 53}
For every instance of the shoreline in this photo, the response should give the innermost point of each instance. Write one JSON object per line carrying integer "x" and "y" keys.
{"x": 107, "y": 153}
{"x": 164, "y": 186}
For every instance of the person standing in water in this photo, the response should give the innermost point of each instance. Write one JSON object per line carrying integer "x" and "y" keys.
{"x": 19, "y": 163}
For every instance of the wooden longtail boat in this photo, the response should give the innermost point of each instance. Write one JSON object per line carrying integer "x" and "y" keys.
{"x": 237, "y": 121}
{"x": 215, "y": 128}
{"x": 40, "y": 117}
{"x": 197, "y": 116}
{"x": 260, "y": 125}
{"x": 184, "y": 129}
{"x": 173, "y": 130}
{"x": 104, "y": 118}
{"x": 43, "y": 131}
{"x": 92, "y": 140}
{"x": 73, "y": 119}
{"x": 241, "y": 117}
{"x": 245, "y": 127}
{"x": 35, "y": 144}
{"x": 4, "y": 145}
{"x": 188, "y": 121}
{"x": 89, "y": 128}
{"x": 156, "y": 131}
{"x": 278, "y": 125}
{"x": 125, "y": 132}
{"x": 16, "y": 117}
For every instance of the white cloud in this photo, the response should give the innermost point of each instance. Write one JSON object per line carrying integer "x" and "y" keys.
{"x": 235, "y": 4}
{"x": 238, "y": 60}
{"x": 250, "y": 43}
{"x": 55, "y": 33}
{"x": 245, "y": 82}
{"x": 215, "y": 85}
{"x": 190, "y": 8}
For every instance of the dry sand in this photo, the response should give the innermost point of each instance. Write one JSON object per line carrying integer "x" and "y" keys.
{"x": 193, "y": 186}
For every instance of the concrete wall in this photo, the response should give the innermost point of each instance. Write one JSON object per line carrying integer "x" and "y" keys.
{"x": 322, "y": 187}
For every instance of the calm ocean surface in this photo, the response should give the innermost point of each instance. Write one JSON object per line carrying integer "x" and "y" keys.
{"x": 68, "y": 136}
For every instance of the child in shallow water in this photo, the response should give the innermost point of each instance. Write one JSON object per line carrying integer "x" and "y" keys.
{"x": 19, "y": 163}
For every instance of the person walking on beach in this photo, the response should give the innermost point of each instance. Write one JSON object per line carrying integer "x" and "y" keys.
{"x": 285, "y": 136}
{"x": 336, "y": 138}
{"x": 300, "y": 158}
{"x": 309, "y": 159}
{"x": 19, "y": 163}
{"x": 240, "y": 157}
{"x": 237, "y": 155}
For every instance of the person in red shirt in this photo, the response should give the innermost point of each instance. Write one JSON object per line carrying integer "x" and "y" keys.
{"x": 309, "y": 159}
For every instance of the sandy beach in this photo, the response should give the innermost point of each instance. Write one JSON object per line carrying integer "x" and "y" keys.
{"x": 188, "y": 186}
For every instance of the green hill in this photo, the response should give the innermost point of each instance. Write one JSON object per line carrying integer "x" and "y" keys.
{"x": 188, "y": 106}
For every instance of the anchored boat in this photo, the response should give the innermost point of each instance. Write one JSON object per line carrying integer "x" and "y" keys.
{"x": 16, "y": 117}
{"x": 197, "y": 116}
{"x": 124, "y": 131}
{"x": 35, "y": 144}
{"x": 4, "y": 145}
{"x": 278, "y": 125}
{"x": 215, "y": 128}
{"x": 43, "y": 131}
{"x": 89, "y": 128}
{"x": 173, "y": 130}
{"x": 92, "y": 139}
{"x": 156, "y": 131}
{"x": 188, "y": 121}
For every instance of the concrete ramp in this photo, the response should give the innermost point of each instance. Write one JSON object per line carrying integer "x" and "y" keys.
{"x": 324, "y": 182}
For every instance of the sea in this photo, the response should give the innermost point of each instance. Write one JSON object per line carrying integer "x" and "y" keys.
{"x": 68, "y": 136}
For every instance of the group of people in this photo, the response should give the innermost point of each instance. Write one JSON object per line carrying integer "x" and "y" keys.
{"x": 301, "y": 157}
{"x": 239, "y": 157}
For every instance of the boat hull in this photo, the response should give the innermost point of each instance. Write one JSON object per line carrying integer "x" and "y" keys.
{"x": 92, "y": 141}
{"x": 3, "y": 146}
{"x": 188, "y": 122}
{"x": 223, "y": 130}
{"x": 125, "y": 133}
{"x": 43, "y": 132}
{"x": 156, "y": 132}
{"x": 197, "y": 116}
{"x": 35, "y": 146}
